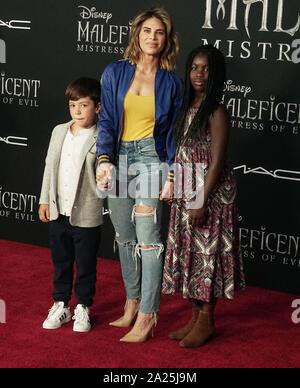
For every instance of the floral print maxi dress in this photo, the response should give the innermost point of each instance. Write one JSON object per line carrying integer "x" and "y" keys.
{"x": 204, "y": 262}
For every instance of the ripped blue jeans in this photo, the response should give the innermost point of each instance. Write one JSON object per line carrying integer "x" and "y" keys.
{"x": 141, "y": 267}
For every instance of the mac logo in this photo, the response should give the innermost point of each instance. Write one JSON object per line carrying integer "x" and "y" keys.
{"x": 12, "y": 24}
{"x": 278, "y": 174}
{"x": 15, "y": 140}
{"x": 2, "y": 51}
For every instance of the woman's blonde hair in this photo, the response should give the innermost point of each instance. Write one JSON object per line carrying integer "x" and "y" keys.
{"x": 168, "y": 56}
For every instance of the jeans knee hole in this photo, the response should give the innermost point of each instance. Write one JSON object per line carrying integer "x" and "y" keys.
{"x": 151, "y": 211}
{"x": 127, "y": 244}
{"x": 148, "y": 247}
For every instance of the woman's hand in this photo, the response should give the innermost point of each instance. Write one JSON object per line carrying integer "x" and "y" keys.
{"x": 44, "y": 213}
{"x": 197, "y": 217}
{"x": 104, "y": 176}
{"x": 167, "y": 193}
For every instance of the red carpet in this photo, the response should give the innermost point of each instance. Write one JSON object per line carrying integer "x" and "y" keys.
{"x": 254, "y": 330}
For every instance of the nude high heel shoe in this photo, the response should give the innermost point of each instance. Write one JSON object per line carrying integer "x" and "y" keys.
{"x": 123, "y": 322}
{"x": 134, "y": 338}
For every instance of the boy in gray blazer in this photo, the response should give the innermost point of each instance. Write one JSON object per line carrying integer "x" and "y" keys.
{"x": 69, "y": 201}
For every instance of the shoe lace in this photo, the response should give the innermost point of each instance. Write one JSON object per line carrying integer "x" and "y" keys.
{"x": 53, "y": 311}
{"x": 81, "y": 314}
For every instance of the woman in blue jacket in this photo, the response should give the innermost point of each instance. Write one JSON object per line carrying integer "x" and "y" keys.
{"x": 140, "y": 100}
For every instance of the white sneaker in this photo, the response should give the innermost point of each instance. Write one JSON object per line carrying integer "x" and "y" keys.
{"x": 82, "y": 319}
{"x": 58, "y": 315}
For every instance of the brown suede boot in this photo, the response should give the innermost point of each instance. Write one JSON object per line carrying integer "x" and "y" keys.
{"x": 201, "y": 332}
{"x": 179, "y": 334}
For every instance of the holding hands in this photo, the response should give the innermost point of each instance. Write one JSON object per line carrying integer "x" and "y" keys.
{"x": 104, "y": 176}
{"x": 167, "y": 192}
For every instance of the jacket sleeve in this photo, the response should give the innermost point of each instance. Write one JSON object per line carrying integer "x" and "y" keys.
{"x": 106, "y": 142}
{"x": 44, "y": 197}
{"x": 176, "y": 97}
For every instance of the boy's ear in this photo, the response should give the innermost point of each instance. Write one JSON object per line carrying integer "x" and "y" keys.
{"x": 98, "y": 107}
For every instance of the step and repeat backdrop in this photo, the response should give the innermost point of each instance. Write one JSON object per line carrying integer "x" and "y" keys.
{"x": 46, "y": 44}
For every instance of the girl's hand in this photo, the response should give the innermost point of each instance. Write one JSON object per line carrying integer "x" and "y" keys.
{"x": 167, "y": 193}
{"x": 197, "y": 217}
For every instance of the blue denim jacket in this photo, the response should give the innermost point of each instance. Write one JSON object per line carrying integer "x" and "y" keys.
{"x": 116, "y": 80}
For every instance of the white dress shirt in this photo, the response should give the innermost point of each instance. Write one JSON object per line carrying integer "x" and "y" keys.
{"x": 69, "y": 168}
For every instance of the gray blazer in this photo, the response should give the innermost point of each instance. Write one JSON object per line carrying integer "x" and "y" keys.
{"x": 87, "y": 206}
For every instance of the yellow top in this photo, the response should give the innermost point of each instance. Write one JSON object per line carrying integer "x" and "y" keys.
{"x": 138, "y": 117}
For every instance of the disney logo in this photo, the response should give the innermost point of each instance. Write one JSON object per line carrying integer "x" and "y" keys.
{"x": 229, "y": 86}
{"x": 16, "y": 24}
{"x": 14, "y": 140}
{"x": 87, "y": 13}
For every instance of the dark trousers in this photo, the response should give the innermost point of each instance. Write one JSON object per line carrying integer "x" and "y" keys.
{"x": 71, "y": 244}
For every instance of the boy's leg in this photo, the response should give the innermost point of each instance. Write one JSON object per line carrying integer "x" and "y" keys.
{"x": 86, "y": 243}
{"x": 62, "y": 252}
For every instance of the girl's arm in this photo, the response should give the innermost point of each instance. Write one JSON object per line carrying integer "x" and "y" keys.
{"x": 219, "y": 125}
{"x": 219, "y": 128}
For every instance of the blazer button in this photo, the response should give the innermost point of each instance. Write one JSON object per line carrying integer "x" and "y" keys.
{"x": 53, "y": 202}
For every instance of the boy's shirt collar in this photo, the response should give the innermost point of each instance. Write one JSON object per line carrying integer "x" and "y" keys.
{"x": 83, "y": 131}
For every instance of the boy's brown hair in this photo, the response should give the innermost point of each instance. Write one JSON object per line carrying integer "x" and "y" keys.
{"x": 84, "y": 87}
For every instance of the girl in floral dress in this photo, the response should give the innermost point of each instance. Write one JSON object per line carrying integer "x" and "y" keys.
{"x": 203, "y": 258}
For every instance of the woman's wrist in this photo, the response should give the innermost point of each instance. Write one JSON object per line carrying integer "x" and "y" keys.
{"x": 171, "y": 176}
{"x": 103, "y": 159}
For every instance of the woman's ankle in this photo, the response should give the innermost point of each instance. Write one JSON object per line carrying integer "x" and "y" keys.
{"x": 132, "y": 301}
{"x": 145, "y": 322}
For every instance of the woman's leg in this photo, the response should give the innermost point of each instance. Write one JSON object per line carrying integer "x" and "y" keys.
{"x": 146, "y": 215}
{"x": 121, "y": 213}
{"x": 150, "y": 248}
